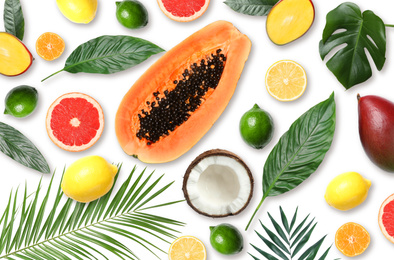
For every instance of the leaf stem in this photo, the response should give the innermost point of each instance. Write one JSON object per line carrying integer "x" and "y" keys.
{"x": 257, "y": 209}
{"x": 53, "y": 74}
{"x": 389, "y": 25}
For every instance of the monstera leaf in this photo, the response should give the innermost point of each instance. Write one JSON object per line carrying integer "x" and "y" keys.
{"x": 362, "y": 32}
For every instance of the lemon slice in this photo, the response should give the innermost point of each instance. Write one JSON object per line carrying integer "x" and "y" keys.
{"x": 286, "y": 80}
{"x": 187, "y": 248}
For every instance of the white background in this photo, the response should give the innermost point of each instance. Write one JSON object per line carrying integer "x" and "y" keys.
{"x": 346, "y": 153}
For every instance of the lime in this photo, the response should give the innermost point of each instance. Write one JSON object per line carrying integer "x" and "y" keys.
{"x": 226, "y": 239}
{"x": 256, "y": 127}
{"x": 21, "y": 101}
{"x": 131, "y": 14}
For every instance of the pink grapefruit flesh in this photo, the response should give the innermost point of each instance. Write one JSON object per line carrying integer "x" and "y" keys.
{"x": 386, "y": 218}
{"x": 183, "y": 10}
{"x": 75, "y": 121}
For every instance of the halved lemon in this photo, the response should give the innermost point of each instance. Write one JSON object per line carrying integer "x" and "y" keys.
{"x": 187, "y": 248}
{"x": 286, "y": 80}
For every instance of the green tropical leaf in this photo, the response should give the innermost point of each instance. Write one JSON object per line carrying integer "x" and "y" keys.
{"x": 251, "y": 7}
{"x": 298, "y": 228}
{"x": 326, "y": 253}
{"x": 74, "y": 230}
{"x": 283, "y": 251}
{"x": 311, "y": 252}
{"x": 274, "y": 238}
{"x": 284, "y": 220}
{"x": 109, "y": 54}
{"x": 265, "y": 254}
{"x": 293, "y": 220}
{"x": 299, "y": 151}
{"x": 278, "y": 229}
{"x": 301, "y": 234}
{"x": 363, "y": 32}
{"x": 273, "y": 247}
{"x": 303, "y": 241}
{"x": 16, "y": 146}
{"x": 14, "y": 22}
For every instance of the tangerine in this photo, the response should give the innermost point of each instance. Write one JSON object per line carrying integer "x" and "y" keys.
{"x": 50, "y": 46}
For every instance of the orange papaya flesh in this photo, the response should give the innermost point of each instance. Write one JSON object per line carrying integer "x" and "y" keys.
{"x": 178, "y": 99}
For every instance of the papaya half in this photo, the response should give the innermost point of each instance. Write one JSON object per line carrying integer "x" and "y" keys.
{"x": 178, "y": 99}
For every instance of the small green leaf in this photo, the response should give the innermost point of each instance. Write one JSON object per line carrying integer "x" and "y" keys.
{"x": 303, "y": 241}
{"x": 363, "y": 32}
{"x": 323, "y": 257}
{"x": 275, "y": 239}
{"x": 265, "y": 254}
{"x": 109, "y": 54}
{"x": 16, "y": 146}
{"x": 255, "y": 258}
{"x": 274, "y": 248}
{"x": 14, "y": 22}
{"x": 251, "y": 7}
{"x": 311, "y": 252}
{"x": 278, "y": 229}
{"x": 302, "y": 233}
{"x": 298, "y": 228}
{"x": 293, "y": 220}
{"x": 284, "y": 220}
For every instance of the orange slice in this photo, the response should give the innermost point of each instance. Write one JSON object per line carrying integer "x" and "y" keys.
{"x": 286, "y": 80}
{"x": 187, "y": 248}
{"x": 49, "y": 46}
{"x": 352, "y": 239}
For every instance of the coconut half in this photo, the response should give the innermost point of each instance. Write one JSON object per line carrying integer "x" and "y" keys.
{"x": 218, "y": 184}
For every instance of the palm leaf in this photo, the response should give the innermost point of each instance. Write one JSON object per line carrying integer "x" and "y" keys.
{"x": 284, "y": 220}
{"x": 74, "y": 230}
{"x": 298, "y": 238}
{"x": 293, "y": 220}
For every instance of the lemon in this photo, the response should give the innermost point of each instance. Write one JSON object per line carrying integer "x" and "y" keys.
{"x": 187, "y": 248}
{"x": 78, "y": 11}
{"x": 88, "y": 178}
{"x": 347, "y": 190}
{"x": 286, "y": 80}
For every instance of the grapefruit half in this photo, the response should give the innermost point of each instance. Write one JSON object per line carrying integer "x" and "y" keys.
{"x": 386, "y": 218}
{"x": 75, "y": 121}
{"x": 183, "y": 10}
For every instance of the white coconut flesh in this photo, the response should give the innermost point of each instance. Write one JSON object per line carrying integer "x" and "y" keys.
{"x": 219, "y": 185}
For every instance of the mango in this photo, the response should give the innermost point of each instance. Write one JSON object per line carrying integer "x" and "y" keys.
{"x": 376, "y": 129}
